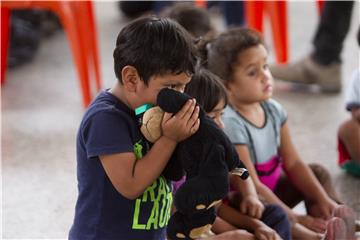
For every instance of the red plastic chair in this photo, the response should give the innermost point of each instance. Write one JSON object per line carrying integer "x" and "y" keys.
{"x": 277, "y": 12}
{"x": 320, "y": 4}
{"x": 201, "y": 3}
{"x": 77, "y": 18}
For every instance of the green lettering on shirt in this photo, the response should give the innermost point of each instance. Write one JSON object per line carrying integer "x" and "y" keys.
{"x": 154, "y": 217}
{"x": 150, "y": 191}
{"x": 136, "y": 224}
{"x": 138, "y": 150}
{"x": 160, "y": 196}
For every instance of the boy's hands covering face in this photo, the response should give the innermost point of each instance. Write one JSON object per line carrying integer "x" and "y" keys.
{"x": 183, "y": 124}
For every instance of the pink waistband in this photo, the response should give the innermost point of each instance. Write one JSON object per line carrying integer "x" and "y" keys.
{"x": 269, "y": 172}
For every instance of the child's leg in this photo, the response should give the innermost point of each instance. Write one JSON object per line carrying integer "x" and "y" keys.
{"x": 308, "y": 227}
{"x": 300, "y": 232}
{"x": 220, "y": 226}
{"x": 336, "y": 230}
{"x": 323, "y": 176}
{"x": 225, "y": 230}
{"x": 349, "y": 134}
{"x": 287, "y": 192}
{"x": 275, "y": 217}
{"x": 349, "y": 152}
{"x": 233, "y": 235}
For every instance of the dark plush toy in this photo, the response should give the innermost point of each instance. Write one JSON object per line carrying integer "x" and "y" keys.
{"x": 206, "y": 158}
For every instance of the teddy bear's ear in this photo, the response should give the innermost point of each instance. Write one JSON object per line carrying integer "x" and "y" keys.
{"x": 151, "y": 124}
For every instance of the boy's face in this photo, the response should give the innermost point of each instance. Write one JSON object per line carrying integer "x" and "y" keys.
{"x": 148, "y": 94}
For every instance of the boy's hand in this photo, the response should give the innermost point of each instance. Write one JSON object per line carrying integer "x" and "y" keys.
{"x": 266, "y": 233}
{"x": 251, "y": 206}
{"x": 183, "y": 124}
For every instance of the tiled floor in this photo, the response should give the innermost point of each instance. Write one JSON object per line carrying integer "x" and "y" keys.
{"x": 41, "y": 110}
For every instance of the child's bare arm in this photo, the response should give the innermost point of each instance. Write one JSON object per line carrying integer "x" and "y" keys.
{"x": 220, "y": 226}
{"x": 302, "y": 176}
{"x": 261, "y": 189}
{"x": 235, "y": 218}
{"x": 131, "y": 177}
{"x": 250, "y": 203}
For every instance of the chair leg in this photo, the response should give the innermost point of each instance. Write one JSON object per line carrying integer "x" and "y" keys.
{"x": 83, "y": 11}
{"x": 93, "y": 40}
{"x": 277, "y": 11}
{"x": 5, "y": 30}
{"x": 201, "y": 3}
{"x": 68, "y": 19}
{"x": 254, "y": 14}
{"x": 320, "y": 4}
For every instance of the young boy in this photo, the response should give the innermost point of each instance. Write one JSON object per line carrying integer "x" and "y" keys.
{"x": 122, "y": 194}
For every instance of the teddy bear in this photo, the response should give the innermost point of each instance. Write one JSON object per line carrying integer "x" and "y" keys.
{"x": 206, "y": 158}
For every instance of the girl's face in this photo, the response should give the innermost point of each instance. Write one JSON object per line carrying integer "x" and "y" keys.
{"x": 217, "y": 112}
{"x": 251, "y": 80}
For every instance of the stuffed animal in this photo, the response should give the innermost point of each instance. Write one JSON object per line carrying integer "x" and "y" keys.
{"x": 206, "y": 158}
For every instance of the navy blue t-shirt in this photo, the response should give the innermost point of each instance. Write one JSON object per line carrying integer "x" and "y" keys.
{"x": 101, "y": 212}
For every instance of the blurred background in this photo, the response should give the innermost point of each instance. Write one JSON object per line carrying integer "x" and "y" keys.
{"x": 43, "y": 98}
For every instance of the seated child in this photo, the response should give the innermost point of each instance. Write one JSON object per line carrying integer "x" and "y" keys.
{"x": 258, "y": 127}
{"x": 349, "y": 131}
{"x": 261, "y": 222}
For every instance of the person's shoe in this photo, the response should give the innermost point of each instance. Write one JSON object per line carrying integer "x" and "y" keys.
{"x": 309, "y": 72}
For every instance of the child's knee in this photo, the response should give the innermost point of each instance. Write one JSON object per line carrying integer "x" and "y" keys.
{"x": 348, "y": 128}
{"x": 320, "y": 172}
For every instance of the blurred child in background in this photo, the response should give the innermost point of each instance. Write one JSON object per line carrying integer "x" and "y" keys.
{"x": 349, "y": 131}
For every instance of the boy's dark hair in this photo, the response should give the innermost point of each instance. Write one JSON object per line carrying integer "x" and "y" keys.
{"x": 154, "y": 46}
{"x": 194, "y": 19}
{"x": 207, "y": 89}
{"x": 220, "y": 54}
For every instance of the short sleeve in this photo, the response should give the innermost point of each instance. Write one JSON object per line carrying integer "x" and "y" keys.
{"x": 235, "y": 130}
{"x": 106, "y": 133}
{"x": 352, "y": 97}
{"x": 278, "y": 111}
